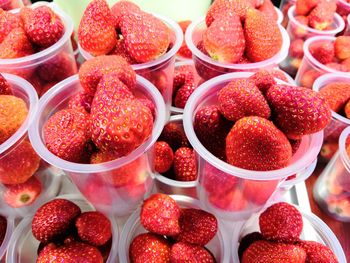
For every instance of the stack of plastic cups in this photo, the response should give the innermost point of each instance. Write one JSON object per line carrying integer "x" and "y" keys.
{"x": 284, "y": 7}
{"x": 299, "y": 33}
{"x": 218, "y": 246}
{"x": 242, "y": 192}
{"x": 5, "y": 243}
{"x": 23, "y": 246}
{"x": 332, "y": 188}
{"x": 10, "y": 4}
{"x": 99, "y": 182}
{"x": 11, "y": 153}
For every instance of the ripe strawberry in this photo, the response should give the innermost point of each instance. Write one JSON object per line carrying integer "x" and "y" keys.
{"x": 295, "y": 145}
{"x": 80, "y": 101}
{"x": 316, "y": 252}
{"x": 224, "y": 39}
{"x": 263, "y": 79}
{"x": 342, "y": 47}
{"x": 247, "y": 240}
{"x": 323, "y": 52}
{"x": 296, "y": 49}
{"x": 268, "y": 252}
{"x": 296, "y": 30}
{"x": 149, "y": 247}
{"x": 185, "y": 164}
{"x": 184, "y": 74}
{"x": 304, "y": 7}
{"x": 322, "y": 15}
{"x": 233, "y": 200}
{"x": 98, "y": 192}
{"x": 174, "y": 135}
{"x": 149, "y": 104}
{"x": 268, "y": 9}
{"x": 197, "y": 226}
{"x": 346, "y": 64}
{"x": 16, "y": 45}
{"x": 163, "y": 157}
{"x": 3, "y": 228}
{"x": 67, "y": 134}
{"x": 262, "y": 35}
{"x": 336, "y": 95}
{"x": 160, "y": 214}
{"x": 19, "y": 195}
{"x": 120, "y": 50}
{"x": 183, "y": 252}
{"x": 337, "y": 66}
{"x": 54, "y": 219}
{"x": 184, "y": 51}
{"x": 121, "y": 8}
{"x": 5, "y": 88}
{"x": 298, "y": 111}
{"x": 93, "y": 228}
{"x": 70, "y": 252}
{"x": 259, "y": 192}
{"x": 242, "y": 98}
{"x": 183, "y": 94}
{"x": 308, "y": 78}
{"x": 96, "y": 32}
{"x": 279, "y": 74}
{"x": 8, "y": 22}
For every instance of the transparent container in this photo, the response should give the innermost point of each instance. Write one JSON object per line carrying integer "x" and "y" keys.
{"x": 314, "y": 230}
{"x": 279, "y": 16}
{"x": 284, "y": 7}
{"x": 60, "y": 55}
{"x": 240, "y": 192}
{"x": 95, "y": 181}
{"x": 347, "y": 30}
{"x": 49, "y": 176}
{"x": 343, "y": 9}
{"x": 208, "y": 68}
{"x": 8, "y": 5}
{"x": 23, "y": 245}
{"x": 5, "y": 243}
{"x": 217, "y": 246}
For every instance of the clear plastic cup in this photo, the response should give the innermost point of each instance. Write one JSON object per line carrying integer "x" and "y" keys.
{"x": 239, "y": 192}
{"x": 5, "y": 243}
{"x": 284, "y": 7}
{"x": 132, "y": 228}
{"x": 95, "y": 181}
{"x": 298, "y": 31}
{"x": 48, "y": 176}
{"x": 347, "y": 30}
{"x": 23, "y": 246}
{"x": 314, "y": 230}
{"x": 36, "y": 68}
{"x": 208, "y": 68}
{"x": 343, "y": 9}
{"x": 8, "y": 5}
{"x": 279, "y": 16}
{"x": 332, "y": 188}
{"x": 173, "y": 187}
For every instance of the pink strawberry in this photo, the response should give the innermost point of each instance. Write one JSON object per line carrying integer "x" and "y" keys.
{"x": 304, "y": 7}
{"x": 121, "y": 8}
{"x": 268, "y": 9}
{"x": 184, "y": 74}
{"x": 81, "y": 101}
{"x": 322, "y": 15}
{"x": 346, "y": 64}
{"x": 323, "y": 52}
{"x": 342, "y": 47}
{"x": 296, "y": 49}
{"x": 247, "y": 240}
{"x": 5, "y": 88}
{"x": 263, "y": 79}
{"x": 120, "y": 50}
{"x": 174, "y": 135}
{"x": 316, "y": 252}
{"x": 184, "y": 252}
{"x": 309, "y": 77}
{"x": 163, "y": 157}
{"x": 185, "y": 164}
{"x": 8, "y": 22}
{"x": 184, "y": 51}
{"x": 259, "y": 192}
{"x": 183, "y": 94}
{"x": 15, "y": 45}
{"x": 215, "y": 179}
{"x": 336, "y": 95}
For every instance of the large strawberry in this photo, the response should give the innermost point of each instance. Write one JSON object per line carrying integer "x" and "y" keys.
{"x": 120, "y": 50}
{"x": 163, "y": 157}
{"x": 263, "y": 79}
{"x": 8, "y": 21}
{"x": 174, "y": 135}
{"x": 121, "y": 8}
{"x": 336, "y": 95}
{"x": 184, "y": 252}
{"x": 183, "y": 94}
{"x": 323, "y": 51}
{"x": 304, "y": 7}
{"x": 15, "y": 45}
{"x": 322, "y": 15}
{"x": 81, "y": 101}
{"x": 185, "y": 164}
{"x": 268, "y": 9}
{"x": 342, "y": 47}
{"x": 316, "y": 252}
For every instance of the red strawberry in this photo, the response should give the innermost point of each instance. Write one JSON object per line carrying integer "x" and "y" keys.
{"x": 121, "y": 8}
{"x": 121, "y": 50}
{"x": 94, "y": 228}
{"x": 322, "y": 15}
{"x": 149, "y": 104}
{"x": 160, "y": 214}
{"x": 247, "y": 240}
{"x": 3, "y": 228}
{"x": 230, "y": 201}
{"x": 5, "y": 88}
{"x": 268, "y": 252}
{"x": 183, "y": 252}
{"x": 224, "y": 39}
{"x": 279, "y": 74}
{"x": 254, "y": 143}
{"x": 19, "y": 195}
{"x": 183, "y": 94}
{"x": 81, "y": 101}
{"x": 67, "y": 134}
{"x": 185, "y": 164}
{"x": 296, "y": 49}
{"x": 296, "y": 30}
{"x": 309, "y": 77}
{"x": 184, "y": 51}
{"x": 8, "y": 22}
{"x": 297, "y": 110}
{"x": 323, "y": 52}
{"x": 149, "y": 247}
{"x": 262, "y": 35}
{"x": 16, "y": 45}
{"x": 269, "y": 10}
{"x": 98, "y": 192}
{"x": 163, "y": 157}
{"x": 96, "y": 33}
{"x": 295, "y": 145}
{"x": 198, "y": 227}
{"x": 342, "y": 47}
{"x": 184, "y": 74}
{"x": 146, "y": 37}
{"x": 336, "y": 95}
{"x": 54, "y": 219}
{"x": 316, "y": 252}
{"x": 259, "y": 192}
{"x": 46, "y": 88}
{"x": 174, "y": 135}
{"x": 242, "y": 98}
{"x": 263, "y": 79}
{"x": 304, "y": 7}
{"x": 43, "y": 27}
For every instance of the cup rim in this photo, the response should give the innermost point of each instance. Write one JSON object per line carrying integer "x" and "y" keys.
{"x": 308, "y": 157}
{"x": 342, "y": 148}
{"x": 45, "y": 154}
{"x": 169, "y": 54}
{"x": 276, "y": 59}
{"x": 33, "y": 101}
{"x": 344, "y": 3}
{"x": 9, "y": 230}
{"x": 337, "y": 18}
{"x": 280, "y": 15}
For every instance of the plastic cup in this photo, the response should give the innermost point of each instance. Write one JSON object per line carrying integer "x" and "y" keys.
{"x": 48, "y": 176}
{"x": 59, "y": 55}
{"x": 332, "y": 188}
{"x": 284, "y": 7}
{"x": 95, "y": 181}
{"x": 132, "y": 228}
{"x": 347, "y": 30}
{"x": 279, "y": 15}
{"x": 314, "y": 230}
{"x": 23, "y": 245}
{"x": 343, "y": 9}
{"x": 5, "y": 243}
{"x": 208, "y": 68}
{"x": 239, "y": 192}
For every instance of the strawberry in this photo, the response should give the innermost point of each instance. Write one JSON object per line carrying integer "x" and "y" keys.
{"x": 149, "y": 247}
{"x": 296, "y": 48}
{"x": 106, "y": 249}
{"x": 259, "y": 192}
{"x": 19, "y": 195}
{"x": 323, "y": 52}
{"x": 43, "y": 27}
{"x": 5, "y": 88}
{"x": 197, "y": 226}
{"x": 232, "y": 200}
{"x": 279, "y": 74}
{"x": 255, "y": 143}
{"x": 163, "y": 157}
{"x": 46, "y": 87}
{"x": 3, "y": 228}
{"x": 263, "y": 80}
{"x": 93, "y": 228}
{"x": 298, "y": 111}
{"x": 322, "y": 15}
{"x": 281, "y": 222}
{"x": 185, "y": 164}
{"x": 53, "y": 219}
{"x": 8, "y": 22}
{"x": 67, "y": 134}
{"x": 295, "y": 145}
{"x": 262, "y": 35}
{"x": 149, "y": 104}
{"x": 184, "y": 74}
{"x": 242, "y": 98}
{"x": 184, "y": 51}
{"x": 183, "y": 252}
{"x": 347, "y": 110}
{"x": 120, "y": 50}
{"x": 336, "y": 95}
{"x": 309, "y": 77}
{"x": 174, "y": 135}
{"x": 268, "y": 9}
{"x": 15, "y": 45}
{"x": 346, "y": 64}
{"x": 304, "y": 7}
{"x": 81, "y": 101}
{"x": 70, "y": 252}
{"x": 96, "y": 32}
{"x": 121, "y": 8}
{"x": 268, "y": 252}
{"x": 97, "y": 191}
{"x": 337, "y": 66}
{"x": 224, "y": 39}
{"x": 342, "y": 47}
{"x": 160, "y": 214}
{"x": 183, "y": 94}
{"x": 316, "y": 252}
{"x": 296, "y": 30}
{"x": 247, "y": 240}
